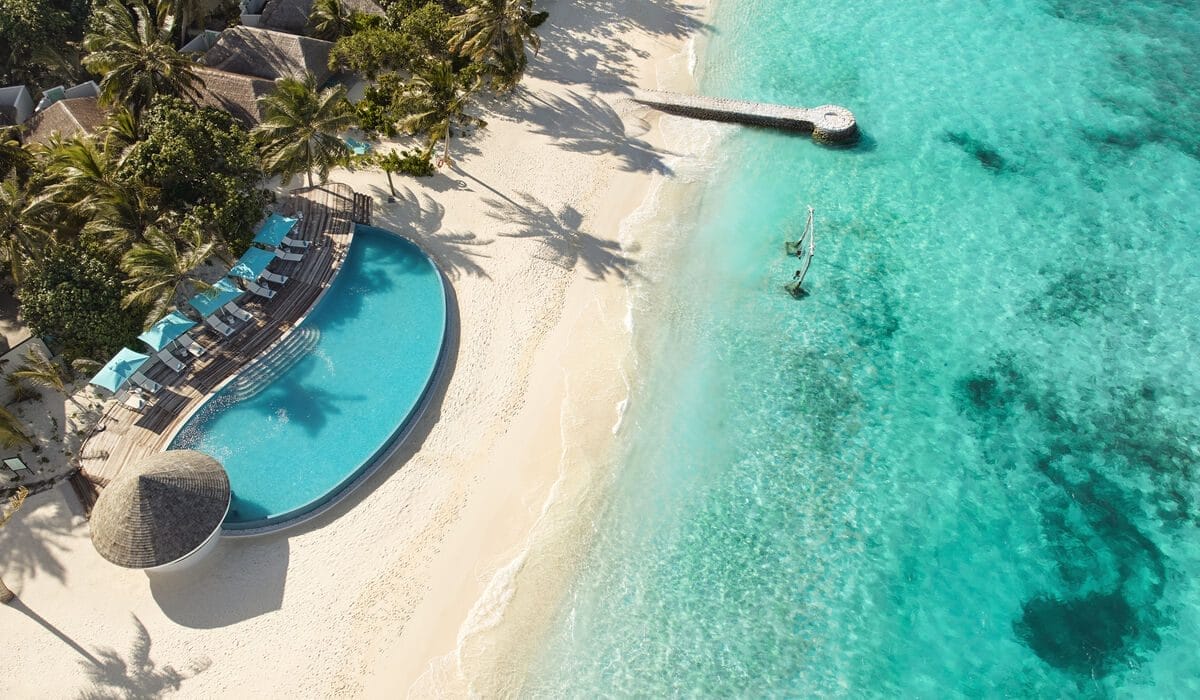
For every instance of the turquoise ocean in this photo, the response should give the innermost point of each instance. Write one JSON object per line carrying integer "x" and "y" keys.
{"x": 967, "y": 464}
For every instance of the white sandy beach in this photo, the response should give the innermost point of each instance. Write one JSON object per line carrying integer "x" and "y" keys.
{"x": 423, "y": 581}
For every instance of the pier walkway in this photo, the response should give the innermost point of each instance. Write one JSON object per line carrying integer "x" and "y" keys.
{"x": 827, "y": 123}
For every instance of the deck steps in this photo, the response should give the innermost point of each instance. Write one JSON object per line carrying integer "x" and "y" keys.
{"x": 362, "y": 209}
{"x": 281, "y": 358}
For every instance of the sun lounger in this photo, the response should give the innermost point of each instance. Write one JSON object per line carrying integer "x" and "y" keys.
{"x": 189, "y": 343}
{"x": 260, "y": 290}
{"x": 295, "y": 242}
{"x": 272, "y": 277}
{"x": 290, "y": 257}
{"x": 238, "y": 312}
{"x": 17, "y": 466}
{"x": 170, "y": 360}
{"x": 219, "y": 326}
{"x": 146, "y": 383}
{"x": 134, "y": 401}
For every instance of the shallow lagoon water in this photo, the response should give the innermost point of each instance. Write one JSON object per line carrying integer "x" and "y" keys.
{"x": 966, "y": 464}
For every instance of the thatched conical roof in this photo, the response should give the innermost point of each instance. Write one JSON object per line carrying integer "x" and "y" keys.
{"x": 160, "y": 509}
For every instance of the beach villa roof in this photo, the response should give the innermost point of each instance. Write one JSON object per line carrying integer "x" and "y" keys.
{"x": 233, "y": 93}
{"x": 274, "y": 230}
{"x": 166, "y": 329}
{"x": 268, "y": 54}
{"x": 16, "y": 105}
{"x": 119, "y": 369}
{"x": 221, "y": 293}
{"x": 161, "y": 509}
{"x": 68, "y": 117}
{"x": 252, "y": 264}
{"x": 292, "y": 15}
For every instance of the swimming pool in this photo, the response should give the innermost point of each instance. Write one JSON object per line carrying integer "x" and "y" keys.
{"x": 295, "y": 429}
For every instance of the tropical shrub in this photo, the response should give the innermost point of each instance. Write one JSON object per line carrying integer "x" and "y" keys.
{"x": 204, "y": 165}
{"x": 74, "y": 297}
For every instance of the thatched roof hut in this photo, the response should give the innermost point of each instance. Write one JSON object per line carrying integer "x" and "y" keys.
{"x": 292, "y": 15}
{"x": 268, "y": 54}
{"x": 77, "y": 115}
{"x": 160, "y": 510}
{"x": 233, "y": 93}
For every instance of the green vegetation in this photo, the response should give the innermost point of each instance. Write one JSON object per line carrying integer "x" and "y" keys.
{"x": 101, "y": 233}
{"x": 495, "y": 34}
{"x": 204, "y": 166}
{"x": 435, "y": 99}
{"x": 300, "y": 133}
{"x": 74, "y": 296}
{"x": 409, "y": 162}
{"x": 34, "y": 41}
{"x": 132, "y": 51}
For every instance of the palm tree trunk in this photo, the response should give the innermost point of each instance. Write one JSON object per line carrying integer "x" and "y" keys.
{"x": 446, "y": 145}
{"x": 6, "y": 594}
{"x": 183, "y": 23}
{"x": 390, "y": 185}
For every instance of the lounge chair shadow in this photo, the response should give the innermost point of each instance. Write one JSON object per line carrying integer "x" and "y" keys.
{"x": 237, "y": 581}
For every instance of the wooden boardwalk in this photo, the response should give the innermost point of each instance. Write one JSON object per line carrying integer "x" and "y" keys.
{"x": 827, "y": 123}
{"x": 123, "y": 434}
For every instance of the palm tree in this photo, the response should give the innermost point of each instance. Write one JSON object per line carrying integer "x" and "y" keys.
{"x": 133, "y": 53}
{"x": 390, "y": 163}
{"x": 25, "y": 223}
{"x": 494, "y": 33}
{"x": 436, "y": 98}
{"x": 329, "y": 20}
{"x": 12, "y": 434}
{"x": 116, "y": 211}
{"x": 300, "y": 132}
{"x": 10, "y": 509}
{"x": 161, "y": 267}
{"x": 12, "y": 156}
{"x": 190, "y": 12}
{"x": 42, "y": 371}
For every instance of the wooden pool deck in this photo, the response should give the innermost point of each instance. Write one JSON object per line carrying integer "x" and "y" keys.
{"x": 123, "y": 435}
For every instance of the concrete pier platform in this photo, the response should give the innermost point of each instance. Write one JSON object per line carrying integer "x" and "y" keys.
{"x": 827, "y": 123}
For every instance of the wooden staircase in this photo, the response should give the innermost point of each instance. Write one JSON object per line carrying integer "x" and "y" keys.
{"x": 362, "y": 209}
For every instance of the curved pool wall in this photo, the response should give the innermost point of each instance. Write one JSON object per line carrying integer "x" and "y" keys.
{"x": 297, "y": 442}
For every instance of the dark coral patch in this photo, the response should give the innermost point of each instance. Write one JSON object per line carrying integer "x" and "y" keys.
{"x": 987, "y": 156}
{"x": 1089, "y": 635}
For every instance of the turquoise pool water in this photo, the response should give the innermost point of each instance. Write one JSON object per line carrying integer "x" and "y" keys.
{"x": 370, "y": 349}
{"x": 966, "y": 464}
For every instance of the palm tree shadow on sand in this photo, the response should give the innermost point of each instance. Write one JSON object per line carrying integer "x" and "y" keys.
{"x": 456, "y": 253}
{"x": 590, "y": 125}
{"x": 135, "y": 675}
{"x": 563, "y": 242}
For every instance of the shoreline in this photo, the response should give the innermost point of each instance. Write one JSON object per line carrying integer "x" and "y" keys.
{"x": 373, "y": 596}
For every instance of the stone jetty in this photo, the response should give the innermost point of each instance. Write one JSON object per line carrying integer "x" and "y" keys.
{"x": 827, "y": 123}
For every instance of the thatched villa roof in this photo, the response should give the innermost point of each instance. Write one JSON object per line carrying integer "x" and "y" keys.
{"x": 161, "y": 509}
{"x": 268, "y": 54}
{"x": 233, "y": 93}
{"x": 77, "y": 115}
{"x": 292, "y": 15}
